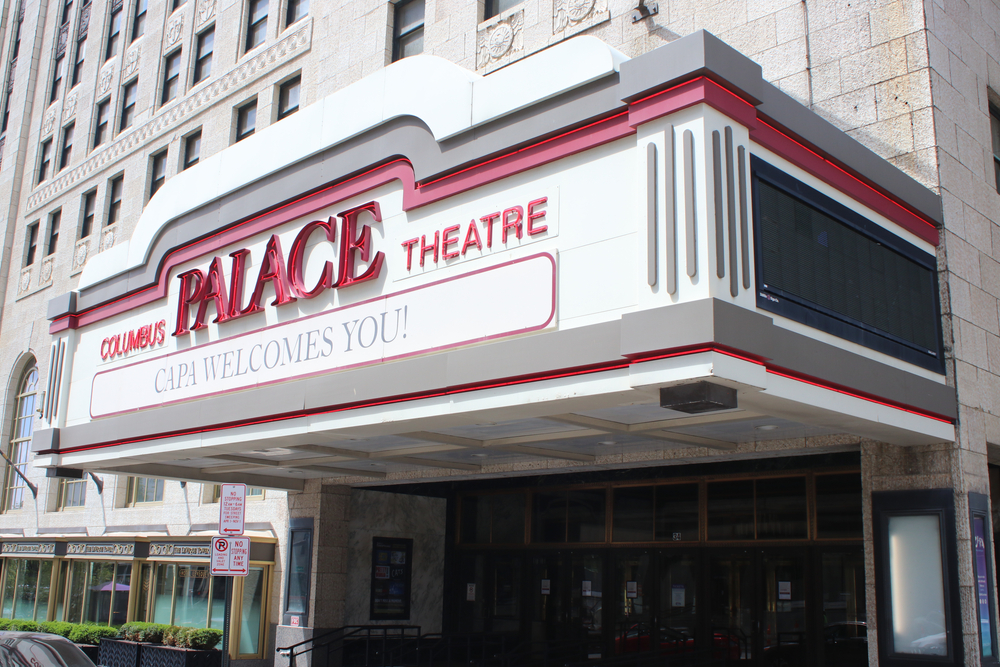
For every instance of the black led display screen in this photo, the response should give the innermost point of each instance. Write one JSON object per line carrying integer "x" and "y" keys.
{"x": 809, "y": 255}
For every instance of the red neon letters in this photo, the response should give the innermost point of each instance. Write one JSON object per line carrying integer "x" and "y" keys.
{"x": 136, "y": 339}
{"x": 286, "y": 277}
{"x": 445, "y": 244}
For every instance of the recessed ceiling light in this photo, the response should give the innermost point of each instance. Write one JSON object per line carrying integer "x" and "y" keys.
{"x": 480, "y": 456}
{"x": 607, "y": 442}
{"x": 767, "y": 427}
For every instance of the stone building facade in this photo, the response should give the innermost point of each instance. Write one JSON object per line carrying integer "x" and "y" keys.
{"x": 913, "y": 82}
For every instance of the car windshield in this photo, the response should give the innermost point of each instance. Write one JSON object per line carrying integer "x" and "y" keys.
{"x": 40, "y": 651}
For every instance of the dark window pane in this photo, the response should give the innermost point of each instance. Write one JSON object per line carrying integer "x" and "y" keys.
{"x": 677, "y": 512}
{"x": 299, "y": 556}
{"x": 633, "y": 514}
{"x": 781, "y": 508}
{"x": 508, "y": 518}
{"x": 548, "y": 518}
{"x": 475, "y": 520}
{"x": 586, "y": 515}
{"x": 838, "y": 506}
{"x": 730, "y": 510}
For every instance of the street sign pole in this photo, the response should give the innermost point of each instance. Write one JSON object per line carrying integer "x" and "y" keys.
{"x": 226, "y": 620}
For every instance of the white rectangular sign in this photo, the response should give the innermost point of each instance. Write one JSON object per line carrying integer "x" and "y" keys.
{"x": 230, "y": 556}
{"x": 232, "y": 509}
{"x": 504, "y": 300}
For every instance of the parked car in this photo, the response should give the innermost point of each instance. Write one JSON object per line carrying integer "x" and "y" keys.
{"x": 36, "y": 649}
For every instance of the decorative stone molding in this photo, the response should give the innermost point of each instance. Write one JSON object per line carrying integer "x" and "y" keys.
{"x": 108, "y": 238}
{"x": 104, "y": 83}
{"x": 69, "y": 107}
{"x": 25, "y": 281}
{"x": 132, "y": 62}
{"x": 500, "y": 41}
{"x": 45, "y": 274}
{"x": 206, "y": 10}
{"x": 174, "y": 31}
{"x": 236, "y": 79}
{"x": 29, "y": 548}
{"x": 572, "y": 16}
{"x": 49, "y": 122}
{"x": 81, "y": 252}
{"x": 106, "y": 549}
{"x": 180, "y": 550}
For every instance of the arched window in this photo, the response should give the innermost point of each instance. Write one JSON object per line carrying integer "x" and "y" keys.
{"x": 20, "y": 440}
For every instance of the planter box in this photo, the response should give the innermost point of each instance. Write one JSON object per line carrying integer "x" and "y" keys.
{"x": 119, "y": 653}
{"x": 157, "y": 655}
{"x": 91, "y": 651}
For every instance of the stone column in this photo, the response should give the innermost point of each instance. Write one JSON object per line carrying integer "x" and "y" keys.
{"x": 327, "y": 506}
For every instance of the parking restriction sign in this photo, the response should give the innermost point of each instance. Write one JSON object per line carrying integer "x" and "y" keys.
{"x": 230, "y": 556}
{"x": 232, "y": 508}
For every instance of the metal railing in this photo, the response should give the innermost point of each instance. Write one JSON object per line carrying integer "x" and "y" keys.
{"x": 357, "y": 646}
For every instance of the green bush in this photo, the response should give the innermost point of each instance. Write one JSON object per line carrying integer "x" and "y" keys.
{"x": 58, "y": 628}
{"x": 87, "y": 633}
{"x": 202, "y": 639}
{"x": 5, "y": 623}
{"x": 24, "y": 626}
{"x": 172, "y": 635}
{"x": 142, "y": 632}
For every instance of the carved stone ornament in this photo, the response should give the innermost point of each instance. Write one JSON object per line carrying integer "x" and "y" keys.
{"x": 572, "y": 16}
{"x": 104, "y": 84}
{"x": 46, "y": 273}
{"x": 69, "y": 107}
{"x": 500, "y": 41}
{"x": 108, "y": 239}
{"x": 25, "y": 282}
{"x": 80, "y": 257}
{"x": 50, "y": 121}
{"x": 206, "y": 10}
{"x": 131, "y": 63}
{"x": 174, "y": 30}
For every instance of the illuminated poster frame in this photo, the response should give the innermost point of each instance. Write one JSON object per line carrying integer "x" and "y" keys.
{"x": 981, "y": 530}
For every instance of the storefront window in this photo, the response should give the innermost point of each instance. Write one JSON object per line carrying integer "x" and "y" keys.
{"x": 730, "y": 510}
{"x": 94, "y": 592}
{"x": 163, "y": 593}
{"x": 26, "y": 589}
{"x": 192, "y": 596}
{"x": 677, "y": 512}
{"x": 838, "y": 506}
{"x": 252, "y": 611}
{"x": 781, "y": 508}
{"x": 496, "y": 518}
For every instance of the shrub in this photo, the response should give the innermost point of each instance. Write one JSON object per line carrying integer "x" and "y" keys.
{"x": 202, "y": 639}
{"x": 172, "y": 635}
{"x": 142, "y": 632}
{"x": 24, "y": 626}
{"x": 5, "y": 623}
{"x": 87, "y": 633}
{"x": 58, "y": 628}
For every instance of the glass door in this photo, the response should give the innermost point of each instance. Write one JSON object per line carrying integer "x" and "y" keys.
{"x": 634, "y": 629}
{"x": 677, "y": 602}
{"x": 586, "y": 603}
{"x": 733, "y": 605}
{"x": 782, "y": 636}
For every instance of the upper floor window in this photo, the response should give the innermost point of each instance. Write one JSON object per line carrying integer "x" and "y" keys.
{"x": 54, "y": 220}
{"x": 72, "y": 493}
{"x": 246, "y": 120}
{"x": 408, "y": 29}
{"x": 45, "y": 160}
{"x": 66, "y": 12}
{"x": 67, "y": 146}
{"x": 297, "y": 9}
{"x": 192, "y": 149}
{"x": 203, "y": 64}
{"x": 495, "y": 7}
{"x": 57, "y": 76}
{"x": 30, "y": 243}
{"x": 115, "y": 196}
{"x": 139, "y": 21}
{"x": 256, "y": 23}
{"x": 995, "y": 131}
{"x": 20, "y": 440}
{"x": 288, "y": 97}
{"x": 87, "y": 214}
{"x": 103, "y": 116}
{"x": 158, "y": 172}
{"x": 144, "y": 490}
{"x": 177, "y": 4}
{"x": 81, "y": 54}
{"x": 114, "y": 31}
{"x": 128, "y": 105}
{"x": 171, "y": 77}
